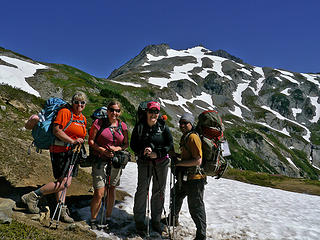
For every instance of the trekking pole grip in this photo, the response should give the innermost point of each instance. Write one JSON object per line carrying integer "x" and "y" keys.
{"x": 77, "y": 148}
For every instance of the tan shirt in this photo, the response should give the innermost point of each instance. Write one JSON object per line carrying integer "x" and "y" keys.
{"x": 192, "y": 148}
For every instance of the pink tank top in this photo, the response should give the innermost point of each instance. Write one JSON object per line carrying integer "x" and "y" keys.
{"x": 110, "y": 136}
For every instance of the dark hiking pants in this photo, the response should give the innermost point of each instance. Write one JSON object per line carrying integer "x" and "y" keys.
{"x": 193, "y": 190}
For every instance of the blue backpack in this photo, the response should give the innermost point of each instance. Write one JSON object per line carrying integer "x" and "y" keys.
{"x": 42, "y": 133}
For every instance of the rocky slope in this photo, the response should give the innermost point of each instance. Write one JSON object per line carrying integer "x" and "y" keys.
{"x": 271, "y": 115}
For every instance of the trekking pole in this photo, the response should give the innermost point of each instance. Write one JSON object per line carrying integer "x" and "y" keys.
{"x": 161, "y": 194}
{"x": 60, "y": 204}
{"x": 107, "y": 173}
{"x": 148, "y": 202}
{"x": 172, "y": 217}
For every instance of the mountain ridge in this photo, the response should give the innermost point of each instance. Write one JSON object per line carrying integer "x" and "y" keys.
{"x": 271, "y": 115}
{"x": 280, "y": 101}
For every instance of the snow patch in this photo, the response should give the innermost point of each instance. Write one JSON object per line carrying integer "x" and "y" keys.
{"x": 127, "y": 83}
{"x": 234, "y": 210}
{"x": 16, "y": 77}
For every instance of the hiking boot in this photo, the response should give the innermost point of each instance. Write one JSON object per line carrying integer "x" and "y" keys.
{"x": 93, "y": 224}
{"x": 31, "y": 199}
{"x": 141, "y": 228}
{"x": 65, "y": 215}
{"x": 200, "y": 238}
{"x": 106, "y": 226}
{"x": 157, "y": 227}
{"x": 170, "y": 222}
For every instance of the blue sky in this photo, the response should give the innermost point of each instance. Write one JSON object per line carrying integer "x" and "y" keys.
{"x": 98, "y": 36}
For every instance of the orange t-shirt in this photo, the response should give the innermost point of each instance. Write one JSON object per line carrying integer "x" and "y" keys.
{"x": 75, "y": 129}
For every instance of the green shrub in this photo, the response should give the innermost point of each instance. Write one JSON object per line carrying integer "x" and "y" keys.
{"x": 17, "y": 230}
{"x": 130, "y": 113}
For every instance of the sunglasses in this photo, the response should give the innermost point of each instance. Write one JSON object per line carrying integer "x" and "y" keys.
{"x": 183, "y": 123}
{"x": 79, "y": 102}
{"x": 156, "y": 111}
{"x": 114, "y": 110}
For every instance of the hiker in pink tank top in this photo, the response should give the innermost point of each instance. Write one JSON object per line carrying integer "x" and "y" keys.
{"x": 105, "y": 142}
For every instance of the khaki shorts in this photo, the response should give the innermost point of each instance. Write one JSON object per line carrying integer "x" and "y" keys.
{"x": 99, "y": 178}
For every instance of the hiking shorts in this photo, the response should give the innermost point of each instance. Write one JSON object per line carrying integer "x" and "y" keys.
{"x": 99, "y": 178}
{"x": 61, "y": 164}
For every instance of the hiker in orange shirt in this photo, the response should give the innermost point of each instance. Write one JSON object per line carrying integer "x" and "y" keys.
{"x": 60, "y": 153}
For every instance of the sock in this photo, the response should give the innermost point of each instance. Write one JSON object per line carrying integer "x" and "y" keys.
{"x": 38, "y": 192}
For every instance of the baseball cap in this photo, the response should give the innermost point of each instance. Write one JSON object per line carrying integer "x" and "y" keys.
{"x": 153, "y": 105}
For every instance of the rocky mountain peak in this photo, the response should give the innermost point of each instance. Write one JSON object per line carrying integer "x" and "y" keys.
{"x": 267, "y": 106}
{"x": 156, "y": 50}
{"x": 225, "y": 54}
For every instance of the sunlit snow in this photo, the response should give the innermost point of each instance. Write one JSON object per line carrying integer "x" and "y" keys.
{"x": 314, "y": 102}
{"x": 127, "y": 83}
{"x": 295, "y": 111}
{"x": 278, "y": 115}
{"x": 237, "y": 95}
{"x": 288, "y": 75}
{"x": 183, "y": 72}
{"x": 234, "y": 210}
{"x": 286, "y": 91}
{"x": 16, "y": 76}
{"x": 182, "y": 102}
{"x": 290, "y": 161}
{"x": 260, "y": 80}
{"x": 283, "y": 131}
{"x": 237, "y": 112}
{"x": 312, "y": 78}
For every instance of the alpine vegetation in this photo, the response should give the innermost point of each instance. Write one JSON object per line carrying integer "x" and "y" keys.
{"x": 271, "y": 116}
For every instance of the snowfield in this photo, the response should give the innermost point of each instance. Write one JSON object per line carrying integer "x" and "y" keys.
{"x": 235, "y": 210}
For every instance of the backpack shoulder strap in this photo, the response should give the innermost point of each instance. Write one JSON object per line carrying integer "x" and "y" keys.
{"x": 104, "y": 125}
{"x": 185, "y": 138}
{"x": 70, "y": 121}
{"x": 140, "y": 130}
{"x": 119, "y": 128}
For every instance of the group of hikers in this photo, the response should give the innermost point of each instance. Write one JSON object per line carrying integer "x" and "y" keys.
{"x": 152, "y": 143}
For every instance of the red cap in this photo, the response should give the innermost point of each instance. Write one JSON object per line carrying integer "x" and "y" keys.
{"x": 153, "y": 105}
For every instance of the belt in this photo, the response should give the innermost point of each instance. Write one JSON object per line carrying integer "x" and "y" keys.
{"x": 196, "y": 176}
{"x": 157, "y": 160}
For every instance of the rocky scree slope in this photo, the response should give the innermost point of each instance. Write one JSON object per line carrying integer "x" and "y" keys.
{"x": 271, "y": 115}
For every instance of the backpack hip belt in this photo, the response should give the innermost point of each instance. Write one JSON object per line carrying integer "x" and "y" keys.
{"x": 157, "y": 160}
{"x": 195, "y": 170}
{"x": 196, "y": 176}
{"x": 58, "y": 142}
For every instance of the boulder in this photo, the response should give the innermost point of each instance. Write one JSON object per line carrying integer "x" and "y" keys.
{"x": 6, "y": 206}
